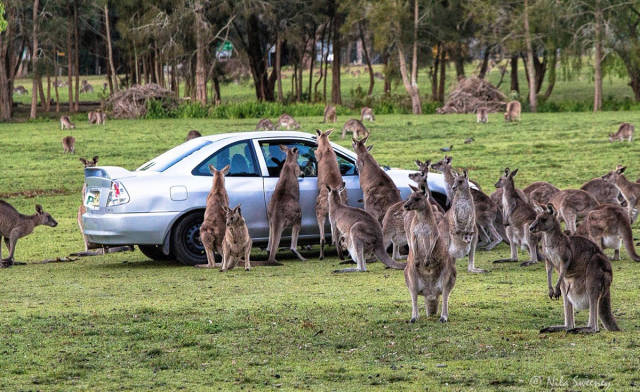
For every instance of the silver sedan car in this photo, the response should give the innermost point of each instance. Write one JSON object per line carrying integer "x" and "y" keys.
{"x": 160, "y": 205}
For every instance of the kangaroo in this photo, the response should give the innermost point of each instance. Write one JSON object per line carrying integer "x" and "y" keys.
{"x": 378, "y": 189}
{"x": 68, "y": 144}
{"x": 430, "y": 270}
{"x": 237, "y": 243}
{"x": 330, "y": 114}
{"x": 65, "y": 123}
{"x": 573, "y": 204}
{"x": 192, "y": 135}
{"x": 602, "y": 191}
{"x": 625, "y": 132}
{"x": 629, "y": 190}
{"x": 86, "y": 87}
{"x": 361, "y": 232}
{"x": 517, "y": 215}
{"x": 607, "y": 225}
{"x": 20, "y": 90}
{"x": 367, "y": 114}
{"x": 82, "y": 209}
{"x": 378, "y": 75}
{"x": 284, "y": 207}
{"x": 97, "y": 117}
{"x": 14, "y": 225}
{"x": 265, "y": 125}
{"x": 328, "y": 174}
{"x": 540, "y": 192}
{"x": 584, "y": 275}
{"x": 482, "y": 115}
{"x": 514, "y": 108}
{"x": 286, "y": 121}
{"x": 355, "y": 127}
{"x": 214, "y": 224}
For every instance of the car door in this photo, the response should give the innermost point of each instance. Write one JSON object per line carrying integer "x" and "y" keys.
{"x": 244, "y": 183}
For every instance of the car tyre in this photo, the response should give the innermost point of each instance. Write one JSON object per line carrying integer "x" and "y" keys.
{"x": 185, "y": 240}
{"x": 154, "y": 252}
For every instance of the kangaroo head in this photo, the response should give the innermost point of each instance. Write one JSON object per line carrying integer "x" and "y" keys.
{"x": 323, "y": 141}
{"x": 334, "y": 193}
{"x": 89, "y": 163}
{"x": 359, "y": 146}
{"x": 423, "y": 166}
{"x": 460, "y": 182}
{"x": 545, "y": 218}
{"x": 442, "y": 164}
{"x": 234, "y": 216}
{"x": 506, "y": 178}
{"x": 44, "y": 218}
{"x": 218, "y": 176}
{"x": 419, "y": 178}
{"x": 613, "y": 175}
{"x": 417, "y": 200}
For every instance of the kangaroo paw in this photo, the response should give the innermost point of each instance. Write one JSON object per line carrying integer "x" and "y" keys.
{"x": 528, "y": 263}
{"x": 505, "y": 261}
{"x": 553, "y": 328}
{"x": 582, "y": 330}
{"x": 476, "y": 270}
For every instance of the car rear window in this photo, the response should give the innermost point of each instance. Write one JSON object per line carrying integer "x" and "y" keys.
{"x": 173, "y": 156}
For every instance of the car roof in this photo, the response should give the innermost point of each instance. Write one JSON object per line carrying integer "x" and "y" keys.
{"x": 233, "y": 136}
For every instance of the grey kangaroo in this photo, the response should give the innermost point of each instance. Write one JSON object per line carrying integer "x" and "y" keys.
{"x": 14, "y": 225}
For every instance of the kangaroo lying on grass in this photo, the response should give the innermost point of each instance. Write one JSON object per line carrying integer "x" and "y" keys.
{"x": 361, "y": 233}
{"x": 607, "y": 225}
{"x": 584, "y": 274}
{"x": 14, "y": 225}
{"x": 430, "y": 270}
{"x": 629, "y": 190}
{"x": 215, "y": 218}
{"x": 237, "y": 243}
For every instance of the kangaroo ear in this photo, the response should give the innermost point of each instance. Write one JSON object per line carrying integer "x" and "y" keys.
{"x": 364, "y": 139}
{"x": 84, "y": 161}
{"x": 283, "y": 148}
{"x": 95, "y": 159}
{"x": 369, "y": 148}
{"x": 318, "y": 132}
{"x": 39, "y": 209}
{"x": 418, "y": 163}
{"x": 466, "y": 173}
{"x": 513, "y": 173}
{"x": 225, "y": 170}
{"x": 551, "y": 209}
{"x": 539, "y": 208}
{"x": 415, "y": 189}
{"x": 506, "y": 171}
{"x": 212, "y": 169}
{"x": 328, "y": 187}
{"x": 344, "y": 185}
{"x": 294, "y": 150}
{"x": 621, "y": 169}
{"x": 447, "y": 159}
{"x": 237, "y": 209}
{"x": 329, "y": 132}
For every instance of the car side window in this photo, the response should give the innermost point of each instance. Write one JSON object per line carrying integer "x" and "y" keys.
{"x": 239, "y": 156}
{"x": 275, "y": 157}
{"x": 347, "y": 168}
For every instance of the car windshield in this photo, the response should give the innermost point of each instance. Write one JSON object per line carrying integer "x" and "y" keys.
{"x": 173, "y": 156}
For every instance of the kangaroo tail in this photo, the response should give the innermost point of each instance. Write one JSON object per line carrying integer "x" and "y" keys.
{"x": 606, "y": 316}
{"x": 627, "y": 238}
{"x": 382, "y": 255}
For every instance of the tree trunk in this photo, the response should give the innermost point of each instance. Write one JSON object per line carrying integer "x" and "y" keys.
{"x": 55, "y": 86}
{"x": 459, "y": 62}
{"x": 313, "y": 60}
{"x": 69, "y": 71}
{"x": 326, "y": 66}
{"x": 485, "y": 63}
{"x": 387, "y": 75}
{"x": 434, "y": 73}
{"x": 34, "y": 62}
{"x": 300, "y": 77}
{"x": 514, "y": 74}
{"x": 174, "y": 80}
{"x": 135, "y": 64}
{"x": 76, "y": 55}
{"x": 532, "y": 79}
{"x": 43, "y": 99}
{"x": 336, "y": 97}
{"x": 443, "y": 74}
{"x": 411, "y": 88}
{"x": 366, "y": 58}
{"x": 201, "y": 75}
{"x": 216, "y": 86}
{"x": 277, "y": 67}
{"x": 255, "y": 50}
{"x": 414, "y": 57}
{"x": 551, "y": 81}
{"x": 597, "y": 59}
{"x": 109, "y": 49}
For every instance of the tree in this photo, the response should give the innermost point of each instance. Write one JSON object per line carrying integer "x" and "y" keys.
{"x": 34, "y": 60}
{"x": 532, "y": 79}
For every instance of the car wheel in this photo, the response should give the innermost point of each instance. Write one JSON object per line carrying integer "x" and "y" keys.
{"x": 186, "y": 243}
{"x": 154, "y": 252}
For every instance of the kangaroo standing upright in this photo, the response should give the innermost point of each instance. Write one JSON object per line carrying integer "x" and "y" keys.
{"x": 360, "y": 231}
{"x": 69, "y": 144}
{"x": 514, "y": 108}
{"x": 367, "y": 114}
{"x": 378, "y": 189}
{"x": 215, "y": 218}
{"x": 629, "y": 190}
{"x": 330, "y": 114}
{"x": 328, "y": 174}
{"x": 584, "y": 275}
{"x": 284, "y": 207}
{"x": 14, "y": 225}
{"x": 482, "y": 115}
{"x": 430, "y": 270}
{"x": 237, "y": 242}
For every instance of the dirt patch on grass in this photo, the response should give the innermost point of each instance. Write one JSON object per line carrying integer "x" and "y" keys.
{"x": 31, "y": 193}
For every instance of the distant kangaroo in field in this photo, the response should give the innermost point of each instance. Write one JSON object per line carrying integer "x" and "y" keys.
{"x": 65, "y": 123}
{"x": 14, "y": 225}
{"x": 284, "y": 209}
{"x": 517, "y": 216}
{"x": 625, "y": 132}
{"x": 482, "y": 115}
{"x": 367, "y": 114}
{"x": 192, "y": 135}
{"x": 430, "y": 270}
{"x": 629, "y": 190}
{"x": 328, "y": 174}
{"x": 608, "y": 225}
{"x": 514, "y": 108}
{"x": 68, "y": 144}
{"x": 237, "y": 243}
{"x": 540, "y": 192}
{"x": 286, "y": 121}
{"x": 97, "y": 117}
{"x": 355, "y": 127}
{"x": 378, "y": 189}
{"x": 584, "y": 275}
{"x": 573, "y": 204}
{"x": 330, "y": 114}
{"x": 215, "y": 218}
{"x": 265, "y": 125}
{"x": 360, "y": 232}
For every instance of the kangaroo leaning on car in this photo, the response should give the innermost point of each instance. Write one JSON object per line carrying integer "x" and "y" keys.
{"x": 14, "y": 225}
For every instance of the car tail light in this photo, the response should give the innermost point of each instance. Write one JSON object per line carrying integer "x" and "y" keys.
{"x": 117, "y": 195}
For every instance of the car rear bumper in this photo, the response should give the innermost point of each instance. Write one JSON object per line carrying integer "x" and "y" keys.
{"x": 128, "y": 229}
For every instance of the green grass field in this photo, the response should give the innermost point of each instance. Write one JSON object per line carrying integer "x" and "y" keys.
{"x": 123, "y": 322}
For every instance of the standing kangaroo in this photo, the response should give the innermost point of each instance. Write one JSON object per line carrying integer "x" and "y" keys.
{"x": 514, "y": 108}
{"x": 573, "y": 204}
{"x": 430, "y": 270}
{"x": 330, "y": 114}
{"x": 607, "y": 225}
{"x": 356, "y": 127}
{"x": 214, "y": 224}
{"x": 284, "y": 207}
{"x": 379, "y": 190}
{"x": 14, "y": 225}
{"x": 482, "y": 115}
{"x": 68, "y": 144}
{"x": 367, "y": 114}
{"x": 360, "y": 231}
{"x": 540, "y": 192}
{"x": 602, "y": 191}
{"x": 584, "y": 275}
{"x": 97, "y": 117}
{"x": 65, "y": 123}
{"x": 625, "y": 132}
{"x": 82, "y": 209}
{"x": 237, "y": 242}
{"x": 629, "y": 190}
{"x": 517, "y": 216}
{"x": 328, "y": 174}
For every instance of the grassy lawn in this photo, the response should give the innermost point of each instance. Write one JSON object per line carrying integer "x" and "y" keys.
{"x": 123, "y": 322}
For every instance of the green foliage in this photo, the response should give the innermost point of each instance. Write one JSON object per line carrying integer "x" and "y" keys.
{"x": 155, "y": 110}
{"x": 3, "y": 21}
